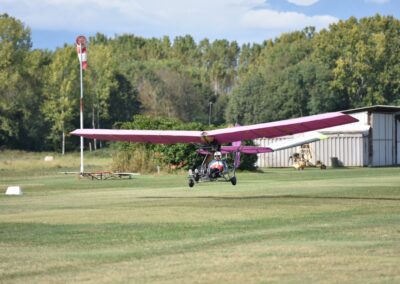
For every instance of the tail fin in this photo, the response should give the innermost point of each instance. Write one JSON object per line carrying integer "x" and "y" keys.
{"x": 236, "y": 162}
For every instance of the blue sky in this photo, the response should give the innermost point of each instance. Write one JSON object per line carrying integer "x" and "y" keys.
{"x": 56, "y": 22}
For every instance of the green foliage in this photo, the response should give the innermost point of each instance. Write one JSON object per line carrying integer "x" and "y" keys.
{"x": 361, "y": 57}
{"x": 16, "y": 83}
{"x": 247, "y": 161}
{"x": 32, "y": 127}
{"x": 242, "y": 108}
{"x": 99, "y": 82}
{"x": 124, "y": 98}
{"x": 351, "y": 64}
{"x": 62, "y": 94}
{"x": 145, "y": 157}
{"x": 277, "y": 84}
{"x": 134, "y": 159}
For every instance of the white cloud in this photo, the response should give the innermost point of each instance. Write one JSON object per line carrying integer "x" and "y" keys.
{"x": 304, "y": 2}
{"x": 269, "y": 19}
{"x": 231, "y": 19}
{"x": 377, "y": 1}
{"x": 122, "y": 15}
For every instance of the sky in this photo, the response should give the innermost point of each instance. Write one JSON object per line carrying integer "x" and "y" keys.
{"x": 56, "y": 22}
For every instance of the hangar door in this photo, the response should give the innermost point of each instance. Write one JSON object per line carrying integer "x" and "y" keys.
{"x": 383, "y": 140}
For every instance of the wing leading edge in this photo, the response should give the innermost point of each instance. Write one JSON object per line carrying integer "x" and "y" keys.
{"x": 281, "y": 128}
{"x": 143, "y": 136}
{"x": 224, "y": 135}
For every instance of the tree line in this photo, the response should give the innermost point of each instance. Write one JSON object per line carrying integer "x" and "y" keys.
{"x": 351, "y": 64}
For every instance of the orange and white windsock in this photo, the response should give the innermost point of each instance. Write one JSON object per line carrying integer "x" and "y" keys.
{"x": 82, "y": 48}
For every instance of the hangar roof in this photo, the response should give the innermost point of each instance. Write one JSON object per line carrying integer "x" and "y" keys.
{"x": 375, "y": 108}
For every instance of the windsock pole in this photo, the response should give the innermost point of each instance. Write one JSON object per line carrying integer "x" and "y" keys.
{"x": 81, "y": 48}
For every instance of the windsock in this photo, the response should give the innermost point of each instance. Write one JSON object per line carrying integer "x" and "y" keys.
{"x": 82, "y": 48}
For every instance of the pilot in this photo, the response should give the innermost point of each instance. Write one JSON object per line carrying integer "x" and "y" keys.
{"x": 217, "y": 166}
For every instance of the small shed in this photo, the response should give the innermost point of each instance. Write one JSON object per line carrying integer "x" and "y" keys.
{"x": 372, "y": 141}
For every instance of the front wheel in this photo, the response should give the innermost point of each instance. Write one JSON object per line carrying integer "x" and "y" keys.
{"x": 233, "y": 180}
{"x": 191, "y": 182}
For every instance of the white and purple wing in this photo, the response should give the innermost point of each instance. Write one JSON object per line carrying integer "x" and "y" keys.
{"x": 298, "y": 141}
{"x": 221, "y": 136}
{"x": 279, "y": 128}
{"x": 144, "y": 136}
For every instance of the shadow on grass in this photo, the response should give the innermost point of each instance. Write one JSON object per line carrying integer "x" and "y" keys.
{"x": 289, "y": 196}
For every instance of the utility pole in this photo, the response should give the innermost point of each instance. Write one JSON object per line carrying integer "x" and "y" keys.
{"x": 209, "y": 113}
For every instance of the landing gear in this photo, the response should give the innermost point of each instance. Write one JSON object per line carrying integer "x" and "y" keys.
{"x": 206, "y": 173}
{"x": 191, "y": 178}
{"x": 196, "y": 175}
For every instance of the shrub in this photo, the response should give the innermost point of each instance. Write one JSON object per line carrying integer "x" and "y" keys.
{"x": 145, "y": 157}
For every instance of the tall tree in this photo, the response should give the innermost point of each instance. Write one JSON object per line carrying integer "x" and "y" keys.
{"x": 184, "y": 49}
{"x": 32, "y": 126}
{"x": 99, "y": 82}
{"x": 276, "y": 84}
{"x": 362, "y": 57}
{"x": 15, "y": 43}
{"x": 123, "y": 101}
{"x": 62, "y": 94}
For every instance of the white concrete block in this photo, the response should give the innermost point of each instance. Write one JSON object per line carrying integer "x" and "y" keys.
{"x": 14, "y": 190}
{"x": 48, "y": 158}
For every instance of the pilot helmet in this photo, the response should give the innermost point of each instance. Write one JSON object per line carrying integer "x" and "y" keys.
{"x": 217, "y": 154}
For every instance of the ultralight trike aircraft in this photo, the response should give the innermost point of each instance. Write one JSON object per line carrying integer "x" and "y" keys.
{"x": 213, "y": 141}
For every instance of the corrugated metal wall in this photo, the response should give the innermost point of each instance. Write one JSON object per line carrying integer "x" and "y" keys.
{"x": 350, "y": 149}
{"x": 381, "y": 147}
{"x": 383, "y": 143}
{"x": 278, "y": 159}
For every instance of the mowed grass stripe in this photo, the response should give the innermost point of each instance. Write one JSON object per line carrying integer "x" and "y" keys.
{"x": 277, "y": 226}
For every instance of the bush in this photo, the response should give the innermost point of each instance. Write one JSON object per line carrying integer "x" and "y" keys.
{"x": 134, "y": 160}
{"x": 247, "y": 162}
{"x": 145, "y": 157}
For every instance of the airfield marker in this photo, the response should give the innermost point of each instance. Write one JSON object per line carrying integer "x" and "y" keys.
{"x": 14, "y": 190}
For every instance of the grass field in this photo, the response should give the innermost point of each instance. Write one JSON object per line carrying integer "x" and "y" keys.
{"x": 281, "y": 225}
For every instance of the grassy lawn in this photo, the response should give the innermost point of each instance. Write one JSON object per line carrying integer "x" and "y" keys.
{"x": 281, "y": 225}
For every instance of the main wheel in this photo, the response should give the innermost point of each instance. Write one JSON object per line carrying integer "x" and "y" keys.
{"x": 233, "y": 180}
{"x": 191, "y": 182}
